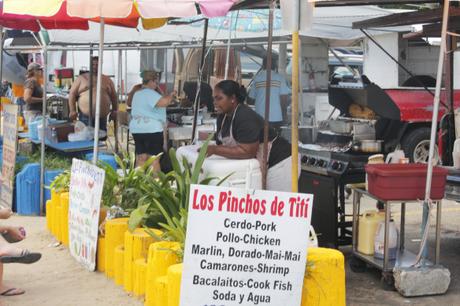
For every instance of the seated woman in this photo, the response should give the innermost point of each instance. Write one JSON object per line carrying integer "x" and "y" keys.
{"x": 240, "y": 135}
{"x": 12, "y": 254}
{"x": 149, "y": 119}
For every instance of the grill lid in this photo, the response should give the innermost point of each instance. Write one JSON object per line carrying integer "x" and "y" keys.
{"x": 367, "y": 95}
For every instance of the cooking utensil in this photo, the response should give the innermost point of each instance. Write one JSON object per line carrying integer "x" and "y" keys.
{"x": 341, "y": 126}
{"x": 363, "y": 131}
{"x": 368, "y": 146}
{"x": 307, "y": 134}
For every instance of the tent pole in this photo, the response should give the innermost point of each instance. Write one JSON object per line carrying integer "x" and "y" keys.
{"x": 196, "y": 106}
{"x": 295, "y": 102}
{"x": 91, "y": 89}
{"x": 98, "y": 93}
{"x": 267, "y": 93}
{"x": 120, "y": 98}
{"x": 227, "y": 59}
{"x": 44, "y": 121}
{"x": 434, "y": 124}
{"x": 166, "y": 70}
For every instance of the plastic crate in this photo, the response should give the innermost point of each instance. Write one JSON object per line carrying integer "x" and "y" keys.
{"x": 28, "y": 190}
{"x": 106, "y": 158}
{"x": 404, "y": 181}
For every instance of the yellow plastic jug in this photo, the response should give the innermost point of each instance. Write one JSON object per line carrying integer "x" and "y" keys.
{"x": 367, "y": 227}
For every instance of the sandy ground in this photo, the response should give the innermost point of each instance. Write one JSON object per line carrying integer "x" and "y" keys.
{"x": 57, "y": 279}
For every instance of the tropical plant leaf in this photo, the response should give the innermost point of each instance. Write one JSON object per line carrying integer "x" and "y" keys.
{"x": 200, "y": 160}
{"x": 136, "y": 217}
{"x": 224, "y": 179}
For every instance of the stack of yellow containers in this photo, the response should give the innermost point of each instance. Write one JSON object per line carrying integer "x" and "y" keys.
{"x": 101, "y": 254}
{"x": 57, "y": 219}
{"x": 174, "y": 279}
{"x": 140, "y": 270}
{"x": 50, "y": 205}
{"x": 64, "y": 218}
{"x": 114, "y": 236}
{"x": 324, "y": 282}
{"x": 118, "y": 264}
{"x": 137, "y": 244}
{"x": 160, "y": 293}
{"x": 162, "y": 255}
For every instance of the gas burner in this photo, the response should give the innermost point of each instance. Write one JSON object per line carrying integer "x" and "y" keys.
{"x": 330, "y": 163}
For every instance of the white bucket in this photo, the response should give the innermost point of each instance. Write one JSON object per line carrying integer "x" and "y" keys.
{"x": 456, "y": 153}
{"x": 457, "y": 123}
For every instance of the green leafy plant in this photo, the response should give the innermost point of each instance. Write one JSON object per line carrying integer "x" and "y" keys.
{"x": 126, "y": 189}
{"x": 62, "y": 182}
{"x": 167, "y": 196}
{"x": 53, "y": 161}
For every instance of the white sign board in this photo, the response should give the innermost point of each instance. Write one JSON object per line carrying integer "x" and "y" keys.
{"x": 86, "y": 184}
{"x": 245, "y": 248}
{"x": 10, "y": 142}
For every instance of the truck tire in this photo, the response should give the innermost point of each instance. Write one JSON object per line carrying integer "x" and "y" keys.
{"x": 416, "y": 145}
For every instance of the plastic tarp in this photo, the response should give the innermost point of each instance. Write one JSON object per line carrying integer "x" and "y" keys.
{"x": 332, "y": 23}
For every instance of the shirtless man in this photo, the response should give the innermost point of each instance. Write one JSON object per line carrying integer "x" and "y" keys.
{"x": 80, "y": 93}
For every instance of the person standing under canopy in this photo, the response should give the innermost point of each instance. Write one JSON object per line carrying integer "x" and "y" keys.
{"x": 240, "y": 135}
{"x": 148, "y": 112}
{"x": 33, "y": 91}
{"x": 279, "y": 95}
{"x": 79, "y": 94}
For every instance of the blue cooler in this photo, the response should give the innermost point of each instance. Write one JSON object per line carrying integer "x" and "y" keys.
{"x": 104, "y": 157}
{"x": 28, "y": 190}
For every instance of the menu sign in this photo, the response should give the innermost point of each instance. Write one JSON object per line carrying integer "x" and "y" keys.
{"x": 86, "y": 183}
{"x": 10, "y": 143}
{"x": 245, "y": 248}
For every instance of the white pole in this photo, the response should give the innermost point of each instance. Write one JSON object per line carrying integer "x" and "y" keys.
{"x": 434, "y": 124}
{"x": 434, "y": 121}
{"x": 126, "y": 74}
{"x": 98, "y": 92}
{"x": 42, "y": 148}
{"x": 229, "y": 41}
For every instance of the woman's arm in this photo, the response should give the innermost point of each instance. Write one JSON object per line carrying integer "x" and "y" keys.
{"x": 166, "y": 100}
{"x": 240, "y": 151}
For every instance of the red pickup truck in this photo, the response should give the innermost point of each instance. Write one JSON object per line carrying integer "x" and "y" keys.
{"x": 416, "y": 111}
{"x": 404, "y": 116}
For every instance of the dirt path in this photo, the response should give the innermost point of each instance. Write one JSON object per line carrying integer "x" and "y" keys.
{"x": 57, "y": 279}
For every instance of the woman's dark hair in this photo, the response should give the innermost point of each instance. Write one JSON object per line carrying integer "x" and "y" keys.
{"x": 231, "y": 88}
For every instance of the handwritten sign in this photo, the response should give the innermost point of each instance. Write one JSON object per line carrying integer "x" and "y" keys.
{"x": 86, "y": 183}
{"x": 245, "y": 248}
{"x": 10, "y": 142}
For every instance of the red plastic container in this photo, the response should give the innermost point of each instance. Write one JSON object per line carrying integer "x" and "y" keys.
{"x": 404, "y": 181}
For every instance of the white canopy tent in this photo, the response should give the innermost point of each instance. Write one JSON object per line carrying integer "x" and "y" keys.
{"x": 332, "y": 23}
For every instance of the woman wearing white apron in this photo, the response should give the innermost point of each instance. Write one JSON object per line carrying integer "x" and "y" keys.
{"x": 240, "y": 133}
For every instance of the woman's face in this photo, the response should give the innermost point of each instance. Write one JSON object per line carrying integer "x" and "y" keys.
{"x": 222, "y": 103}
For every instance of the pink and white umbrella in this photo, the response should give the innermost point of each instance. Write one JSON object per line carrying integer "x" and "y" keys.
{"x": 117, "y": 11}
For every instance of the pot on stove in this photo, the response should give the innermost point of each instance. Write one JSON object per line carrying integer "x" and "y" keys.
{"x": 368, "y": 146}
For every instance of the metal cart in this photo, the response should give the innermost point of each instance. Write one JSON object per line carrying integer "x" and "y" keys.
{"x": 404, "y": 257}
